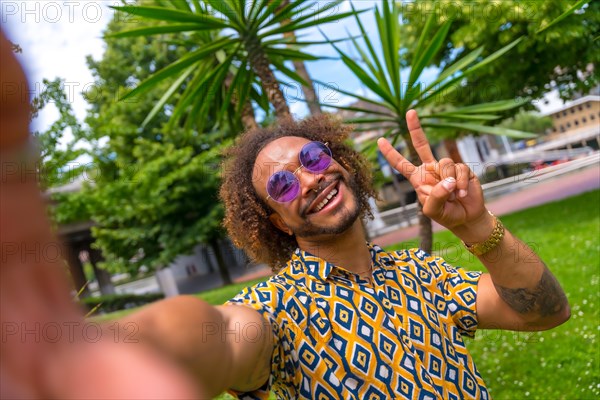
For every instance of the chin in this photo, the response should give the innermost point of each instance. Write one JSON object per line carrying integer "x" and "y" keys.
{"x": 345, "y": 220}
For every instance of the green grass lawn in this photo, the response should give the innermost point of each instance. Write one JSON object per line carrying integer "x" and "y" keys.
{"x": 562, "y": 363}
{"x": 214, "y": 296}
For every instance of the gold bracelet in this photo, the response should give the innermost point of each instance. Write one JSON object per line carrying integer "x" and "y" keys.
{"x": 483, "y": 247}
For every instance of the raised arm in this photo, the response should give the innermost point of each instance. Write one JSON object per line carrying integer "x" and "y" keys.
{"x": 520, "y": 292}
{"x": 224, "y": 347}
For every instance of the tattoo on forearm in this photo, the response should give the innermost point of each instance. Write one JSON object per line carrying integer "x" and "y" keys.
{"x": 546, "y": 299}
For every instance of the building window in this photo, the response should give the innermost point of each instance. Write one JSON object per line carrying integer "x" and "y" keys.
{"x": 588, "y": 105}
{"x": 576, "y": 122}
{"x": 562, "y": 128}
{"x": 572, "y": 110}
{"x": 592, "y": 117}
{"x": 568, "y": 124}
{"x": 557, "y": 116}
{"x": 564, "y": 113}
{"x": 554, "y": 129}
{"x": 580, "y": 107}
{"x": 584, "y": 120}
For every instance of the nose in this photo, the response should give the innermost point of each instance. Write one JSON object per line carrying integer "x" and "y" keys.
{"x": 309, "y": 181}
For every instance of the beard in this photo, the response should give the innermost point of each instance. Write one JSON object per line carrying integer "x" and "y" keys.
{"x": 347, "y": 217}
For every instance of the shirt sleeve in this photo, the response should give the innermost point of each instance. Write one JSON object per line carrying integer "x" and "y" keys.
{"x": 456, "y": 286}
{"x": 265, "y": 298}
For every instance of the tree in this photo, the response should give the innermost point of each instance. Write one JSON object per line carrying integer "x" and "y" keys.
{"x": 529, "y": 122}
{"x": 153, "y": 188}
{"x": 57, "y": 143}
{"x": 257, "y": 43}
{"x": 562, "y": 58}
{"x": 380, "y": 71}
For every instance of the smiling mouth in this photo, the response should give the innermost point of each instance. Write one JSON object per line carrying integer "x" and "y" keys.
{"x": 329, "y": 193}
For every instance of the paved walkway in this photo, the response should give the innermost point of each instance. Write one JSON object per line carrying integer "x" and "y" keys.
{"x": 555, "y": 189}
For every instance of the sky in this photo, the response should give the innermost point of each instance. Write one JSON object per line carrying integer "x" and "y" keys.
{"x": 56, "y": 37}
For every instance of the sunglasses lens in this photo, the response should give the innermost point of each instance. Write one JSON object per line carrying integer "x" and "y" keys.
{"x": 315, "y": 157}
{"x": 283, "y": 186}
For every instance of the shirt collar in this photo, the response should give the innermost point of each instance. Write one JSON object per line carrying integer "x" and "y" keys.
{"x": 320, "y": 269}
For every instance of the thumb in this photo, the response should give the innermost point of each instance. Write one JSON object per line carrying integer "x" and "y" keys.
{"x": 438, "y": 196}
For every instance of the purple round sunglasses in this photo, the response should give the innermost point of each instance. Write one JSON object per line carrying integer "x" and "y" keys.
{"x": 283, "y": 186}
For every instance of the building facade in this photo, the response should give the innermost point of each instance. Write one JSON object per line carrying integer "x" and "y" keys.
{"x": 577, "y": 115}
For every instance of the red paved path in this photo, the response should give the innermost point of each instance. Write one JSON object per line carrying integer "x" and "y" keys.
{"x": 553, "y": 189}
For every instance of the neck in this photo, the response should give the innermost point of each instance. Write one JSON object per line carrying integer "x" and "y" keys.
{"x": 347, "y": 250}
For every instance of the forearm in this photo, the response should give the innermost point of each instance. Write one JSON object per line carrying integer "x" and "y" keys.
{"x": 189, "y": 332}
{"x": 520, "y": 277}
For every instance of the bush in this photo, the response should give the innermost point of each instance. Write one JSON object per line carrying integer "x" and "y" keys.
{"x": 115, "y": 302}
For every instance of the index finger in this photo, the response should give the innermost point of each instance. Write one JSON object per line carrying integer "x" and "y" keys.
{"x": 396, "y": 160}
{"x": 418, "y": 138}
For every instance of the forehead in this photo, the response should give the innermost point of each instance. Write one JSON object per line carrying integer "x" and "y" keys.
{"x": 281, "y": 151}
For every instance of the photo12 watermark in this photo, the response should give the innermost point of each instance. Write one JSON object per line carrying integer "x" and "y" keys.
{"x": 55, "y": 12}
{"x": 69, "y": 332}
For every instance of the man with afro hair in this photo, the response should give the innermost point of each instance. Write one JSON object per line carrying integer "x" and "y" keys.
{"x": 346, "y": 319}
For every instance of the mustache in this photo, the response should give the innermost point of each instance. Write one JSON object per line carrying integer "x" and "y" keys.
{"x": 334, "y": 178}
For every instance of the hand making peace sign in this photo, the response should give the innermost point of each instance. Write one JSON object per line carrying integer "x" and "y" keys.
{"x": 450, "y": 193}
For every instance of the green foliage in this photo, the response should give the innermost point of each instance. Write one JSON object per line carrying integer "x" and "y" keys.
{"x": 230, "y": 44}
{"x": 151, "y": 189}
{"x": 379, "y": 69}
{"x": 556, "y": 51}
{"x": 530, "y": 122}
{"x": 562, "y": 363}
{"x": 115, "y": 302}
{"x": 168, "y": 206}
{"x": 57, "y": 143}
{"x": 62, "y": 159}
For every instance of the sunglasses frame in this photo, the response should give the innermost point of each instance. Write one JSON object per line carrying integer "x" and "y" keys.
{"x": 326, "y": 145}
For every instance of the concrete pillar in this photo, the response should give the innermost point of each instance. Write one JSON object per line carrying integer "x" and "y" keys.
{"x": 167, "y": 282}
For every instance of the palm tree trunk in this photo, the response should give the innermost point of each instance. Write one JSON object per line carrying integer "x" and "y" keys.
{"x": 312, "y": 101}
{"x": 223, "y": 270}
{"x": 425, "y": 230}
{"x": 102, "y": 276}
{"x": 260, "y": 64}
{"x": 248, "y": 120}
{"x": 76, "y": 271}
{"x": 452, "y": 149}
{"x": 310, "y": 94}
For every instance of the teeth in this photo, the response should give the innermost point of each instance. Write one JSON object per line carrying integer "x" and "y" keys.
{"x": 326, "y": 200}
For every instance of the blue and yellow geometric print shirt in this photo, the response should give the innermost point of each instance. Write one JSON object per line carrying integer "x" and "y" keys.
{"x": 395, "y": 335}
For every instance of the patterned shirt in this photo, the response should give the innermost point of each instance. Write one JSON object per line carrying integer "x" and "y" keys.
{"x": 395, "y": 335}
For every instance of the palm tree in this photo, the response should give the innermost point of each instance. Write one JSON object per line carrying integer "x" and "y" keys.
{"x": 381, "y": 75}
{"x": 248, "y": 38}
{"x": 393, "y": 98}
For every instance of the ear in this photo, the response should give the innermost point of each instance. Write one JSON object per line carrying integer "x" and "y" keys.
{"x": 279, "y": 223}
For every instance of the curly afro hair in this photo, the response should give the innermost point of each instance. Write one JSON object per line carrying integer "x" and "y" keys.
{"x": 247, "y": 216}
